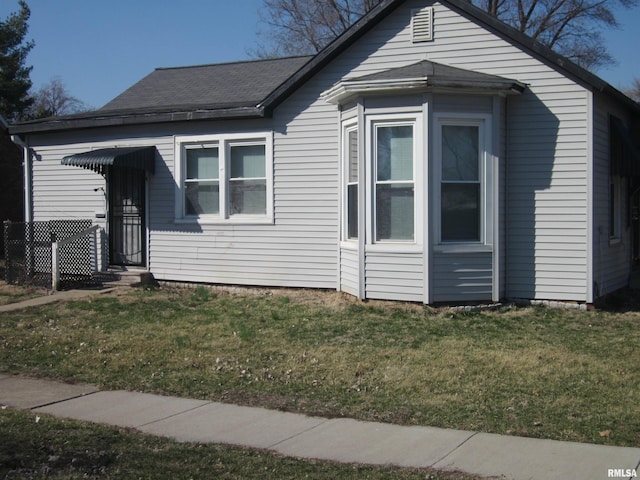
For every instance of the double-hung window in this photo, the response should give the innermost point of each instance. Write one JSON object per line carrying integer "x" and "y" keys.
{"x": 201, "y": 180}
{"x": 351, "y": 182}
{"x": 247, "y": 179}
{"x": 394, "y": 182}
{"x": 461, "y": 145}
{"x": 224, "y": 178}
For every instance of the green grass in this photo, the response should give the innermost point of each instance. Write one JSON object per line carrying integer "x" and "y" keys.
{"x": 549, "y": 373}
{"x": 39, "y": 447}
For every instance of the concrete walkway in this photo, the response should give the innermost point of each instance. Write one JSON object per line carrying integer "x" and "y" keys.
{"x": 52, "y": 298}
{"x": 341, "y": 440}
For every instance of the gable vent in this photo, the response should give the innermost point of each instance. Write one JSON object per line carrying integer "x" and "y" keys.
{"x": 422, "y": 25}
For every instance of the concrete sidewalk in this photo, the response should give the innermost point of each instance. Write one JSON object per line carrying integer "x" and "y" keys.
{"x": 342, "y": 440}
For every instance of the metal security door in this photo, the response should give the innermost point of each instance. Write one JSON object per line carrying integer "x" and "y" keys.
{"x": 127, "y": 226}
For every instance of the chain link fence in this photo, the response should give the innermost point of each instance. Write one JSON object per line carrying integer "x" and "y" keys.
{"x": 28, "y": 259}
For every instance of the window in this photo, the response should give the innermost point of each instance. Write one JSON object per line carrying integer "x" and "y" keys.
{"x": 224, "y": 178}
{"x": 248, "y": 180}
{"x": 201, "y": 183}
{"x": 614, "y": 207}
{"x": 462, "y": 207}
{"x": 351, "y": 180}
{"x": 394, "y": 185}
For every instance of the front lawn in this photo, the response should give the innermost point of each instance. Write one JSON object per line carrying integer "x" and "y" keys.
{"x": 549, "y": 373}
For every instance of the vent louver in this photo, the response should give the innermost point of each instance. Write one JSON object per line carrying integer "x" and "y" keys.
{"x": 422, "y": 25}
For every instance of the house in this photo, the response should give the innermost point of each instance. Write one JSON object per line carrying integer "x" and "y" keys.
{"x": 429, "y": 154}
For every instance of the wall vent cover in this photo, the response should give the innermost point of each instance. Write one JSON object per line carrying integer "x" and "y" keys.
{"x": 422, "y": 25}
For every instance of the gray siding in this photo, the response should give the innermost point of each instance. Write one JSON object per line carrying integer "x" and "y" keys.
{"x": 394, "y": 276}
{"x": 462, "y": 277}
{"x": 547, "y": 145}
{"x": 299, "y": 249}
{"x": 349, "y": 270}
{"x": 544, "y": 193}
{"x": 612, "y": 259}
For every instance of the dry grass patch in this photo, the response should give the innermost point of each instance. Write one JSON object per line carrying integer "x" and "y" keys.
{"x": 16, "y": 293}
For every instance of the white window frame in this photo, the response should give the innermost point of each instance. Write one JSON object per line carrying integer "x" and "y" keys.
{"x": 223, "y": 142}
{"x": 392, "y": 120}
{"x": 485, "y": 174}
{"x": 348, "y": 127}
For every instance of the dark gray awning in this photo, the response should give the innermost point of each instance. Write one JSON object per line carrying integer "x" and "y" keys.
{"x": 142, "y": 158}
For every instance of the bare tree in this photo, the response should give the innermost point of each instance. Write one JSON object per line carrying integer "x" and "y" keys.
{"x": 53, "y": 99}
{"x": 302, "y": 27}
{"x": 571, "y": 27}
{"x": 634, "y": 90}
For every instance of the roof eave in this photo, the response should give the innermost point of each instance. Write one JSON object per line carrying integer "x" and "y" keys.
{"x": 545, "y": 53}
{"x": 353, "y": 33}
{"x": 345, "y": 90}
{"x": 132, "y": 118}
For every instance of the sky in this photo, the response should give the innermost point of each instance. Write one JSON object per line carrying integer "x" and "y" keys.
{"x": 99, "y": 48}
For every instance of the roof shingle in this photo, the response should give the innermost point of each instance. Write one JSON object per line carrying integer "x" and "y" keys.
{"x": 224, "y": 85}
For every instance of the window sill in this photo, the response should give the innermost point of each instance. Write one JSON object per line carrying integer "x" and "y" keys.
{"x": 463, "y": 248}
{"x": 394, "y": 248}
{"x": 237, "y": 220}
{"x": 349, "y": 245}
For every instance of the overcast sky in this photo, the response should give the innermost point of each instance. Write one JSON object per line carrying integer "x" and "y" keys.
{"x": 101, "y": 47}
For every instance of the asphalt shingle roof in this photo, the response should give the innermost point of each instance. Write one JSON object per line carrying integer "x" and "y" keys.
{"x": 438, "y": 74}
{"x": 224, "y": 85}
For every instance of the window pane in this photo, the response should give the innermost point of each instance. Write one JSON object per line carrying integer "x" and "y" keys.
{"x": 460, "y": 153}
{"x": 248, "y": 197}
{"x": 395, "y": 153}
{"x": 353, "y": 156}
{"x": 352, "y": 211}
{"x": 202, "y": 198}
{"x": 394, "y": 211}
{"x": 248, "y": 161}
{"x": 460, "y": 212}
{"x": 202, "y": 163}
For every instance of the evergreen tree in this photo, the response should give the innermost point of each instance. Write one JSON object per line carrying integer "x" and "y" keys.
{"x": 14, "y": 74}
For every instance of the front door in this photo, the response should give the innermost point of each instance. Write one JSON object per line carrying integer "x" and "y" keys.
{"x": 127, "y": 223}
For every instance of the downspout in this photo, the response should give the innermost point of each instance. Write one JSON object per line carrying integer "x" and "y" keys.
{"x": 26, "y": 165}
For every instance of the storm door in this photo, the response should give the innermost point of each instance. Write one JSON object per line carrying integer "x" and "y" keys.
{"x": 127, "y": 223}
